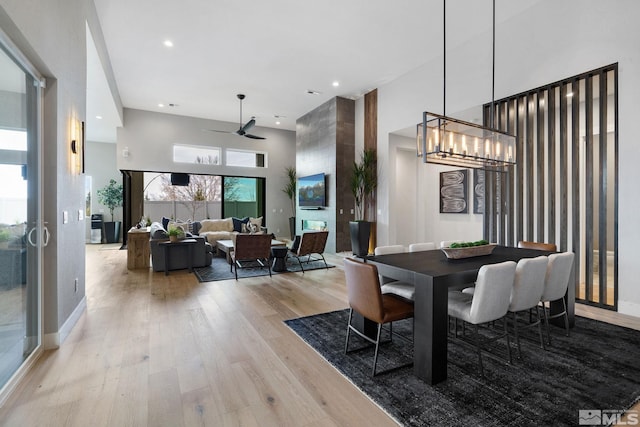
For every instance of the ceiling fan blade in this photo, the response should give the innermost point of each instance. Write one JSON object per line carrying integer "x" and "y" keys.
{"x": 215, "y": 130}
{"x": 249, "y": 125}
{"x": 248, "y": 135}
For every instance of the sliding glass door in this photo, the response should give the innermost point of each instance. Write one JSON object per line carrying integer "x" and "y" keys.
{"x": 20, "y": 215}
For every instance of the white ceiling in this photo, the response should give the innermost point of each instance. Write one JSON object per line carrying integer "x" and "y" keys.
{"x": 274, "y": 51}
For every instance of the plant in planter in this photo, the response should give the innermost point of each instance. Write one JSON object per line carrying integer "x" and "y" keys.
{"x": 290, "y": 190}
{"x": 175, "y": 233}
{"x": 111, "y": 197}
{"x": 364, "y": 180}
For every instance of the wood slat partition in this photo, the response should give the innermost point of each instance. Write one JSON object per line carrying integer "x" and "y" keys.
{"x": 564, "y": 186}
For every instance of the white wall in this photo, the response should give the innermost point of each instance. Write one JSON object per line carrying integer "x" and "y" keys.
{"x": 150, "y": 136}
{"x": 548, "y": 42}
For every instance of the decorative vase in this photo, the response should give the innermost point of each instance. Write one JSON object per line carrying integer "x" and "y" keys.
{"x": 173, "y": 239}
{"x": 112, "y": 231}
{"x": 292, "y": 227}
{"x": 360, "y": 232}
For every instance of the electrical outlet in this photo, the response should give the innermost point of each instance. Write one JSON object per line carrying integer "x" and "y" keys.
{"x": 341, "y": 211}
{"x": 75, "y": 285}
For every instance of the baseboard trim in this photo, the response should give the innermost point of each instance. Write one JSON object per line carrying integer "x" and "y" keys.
{"x": 629, "y": 308}
{"x": 55, "y": 339}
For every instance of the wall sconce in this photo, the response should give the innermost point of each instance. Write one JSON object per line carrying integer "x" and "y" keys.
{"x": 77, "y": 145}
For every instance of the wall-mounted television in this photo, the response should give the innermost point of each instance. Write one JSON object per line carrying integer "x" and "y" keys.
{"x": 311, "y": 191}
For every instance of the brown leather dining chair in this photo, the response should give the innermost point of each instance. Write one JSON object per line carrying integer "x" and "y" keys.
{"x": 366, "y": 298}
{"x": 251, "y": 249}
{"x": 550, "y": 247}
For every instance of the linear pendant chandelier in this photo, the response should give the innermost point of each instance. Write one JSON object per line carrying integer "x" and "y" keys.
{"x": 453, "y": 142}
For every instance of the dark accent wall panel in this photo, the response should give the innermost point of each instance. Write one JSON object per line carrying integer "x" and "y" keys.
{"x": 325, "y": 143}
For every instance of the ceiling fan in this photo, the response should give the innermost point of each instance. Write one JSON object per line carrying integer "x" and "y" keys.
{"x": 242, "y": 130}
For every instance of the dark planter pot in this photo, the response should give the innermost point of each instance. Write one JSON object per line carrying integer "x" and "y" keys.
{"x": 112, "y": 232}
{"x": 292, "y": 227}
{"x": 360, "y": 233}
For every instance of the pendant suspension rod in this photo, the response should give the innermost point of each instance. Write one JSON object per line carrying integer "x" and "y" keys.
{"x": 444, "y": 57}
{"x": 493, "y": 69}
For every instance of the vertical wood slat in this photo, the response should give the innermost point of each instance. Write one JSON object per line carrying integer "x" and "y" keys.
{"x": 511, "y": 126}
{"x": 575, "y": 177}
{"x": 488, "y": 213}
{"x": 529, "y": 215}
{"x": 551, "y": 163}
{"x": 520, "y": 120}
{"x": 616, "y": 187}
{"x": 502, "y": 125}
{"x": 564, "y": 187}
{"x": 540, "y": 142}
{"x": 602, "y": 190}
{"x": 588, "y": 188}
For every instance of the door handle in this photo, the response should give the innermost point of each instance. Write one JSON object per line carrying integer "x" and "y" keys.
{"x": 46, "y": 235}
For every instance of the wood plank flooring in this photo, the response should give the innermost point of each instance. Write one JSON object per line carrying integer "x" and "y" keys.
{"x": 168, "y": 351}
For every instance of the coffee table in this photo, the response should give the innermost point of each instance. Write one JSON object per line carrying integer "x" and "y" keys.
{"x": 226, "y": 246}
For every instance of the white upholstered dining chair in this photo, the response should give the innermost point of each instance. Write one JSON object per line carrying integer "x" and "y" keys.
{"x": 555, "y": 287}
{"x": 391, "y": 286}
{"x": 488, "y": 303}
{"x": 418, "y": 247}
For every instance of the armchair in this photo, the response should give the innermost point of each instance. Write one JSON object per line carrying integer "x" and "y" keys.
{"x": 311, "y": 242}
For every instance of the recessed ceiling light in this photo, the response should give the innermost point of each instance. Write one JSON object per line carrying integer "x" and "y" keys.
{"x": 570, "y": 94}
{"x": 336, "y": 83}
{"x": 168, "y": 43}
{"x": 99, "y": 117}
{"x": 160, "y": 105}
{"x": 278, "y": 122}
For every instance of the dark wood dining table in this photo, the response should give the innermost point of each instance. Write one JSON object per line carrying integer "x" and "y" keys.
{"x": 433, "y": 274}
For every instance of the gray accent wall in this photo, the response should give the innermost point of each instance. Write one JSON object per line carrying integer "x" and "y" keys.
{"x": 325, "y": 143}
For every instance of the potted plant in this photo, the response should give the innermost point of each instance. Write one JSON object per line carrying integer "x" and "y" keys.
{"x": 364, "y": 180}
{"x": 111, "y": 197}
{"x": 175, "y": 233}
{"x": 290, "y": 190}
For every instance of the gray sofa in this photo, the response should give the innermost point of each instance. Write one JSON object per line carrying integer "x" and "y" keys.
{"x": 202, "y": 251}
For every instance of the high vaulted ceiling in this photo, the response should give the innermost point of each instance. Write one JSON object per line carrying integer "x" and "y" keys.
{"x": 276, "y": 51}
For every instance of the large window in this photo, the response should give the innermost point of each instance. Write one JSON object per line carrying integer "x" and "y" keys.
{"x": 206, "y": 196}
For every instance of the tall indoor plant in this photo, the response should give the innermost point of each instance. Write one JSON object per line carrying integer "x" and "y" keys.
{"x": 364, "y": 180}
{"x": 290, "y": 190}
{"x": 111, "y": 197}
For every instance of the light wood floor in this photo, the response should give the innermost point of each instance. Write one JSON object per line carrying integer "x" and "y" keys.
{"x": 168, "y": 351}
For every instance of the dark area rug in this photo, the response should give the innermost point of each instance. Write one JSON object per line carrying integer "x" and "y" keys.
{"x": 220, "y": 269}
{"x": 596, "y": 367}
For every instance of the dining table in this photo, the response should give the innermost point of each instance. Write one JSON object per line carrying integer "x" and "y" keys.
{"x": 434, "y": 275}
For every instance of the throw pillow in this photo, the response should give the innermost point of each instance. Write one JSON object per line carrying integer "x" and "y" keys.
{"x": 165, "y": 222}
{"x": 257, "y": 222}
{"x": 237, "y": 223}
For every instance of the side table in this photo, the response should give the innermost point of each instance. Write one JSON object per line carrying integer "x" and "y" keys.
{"x": 279, "y": 254}
{"x": 168, "y": 245}
{"x": 138, "y": 249}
